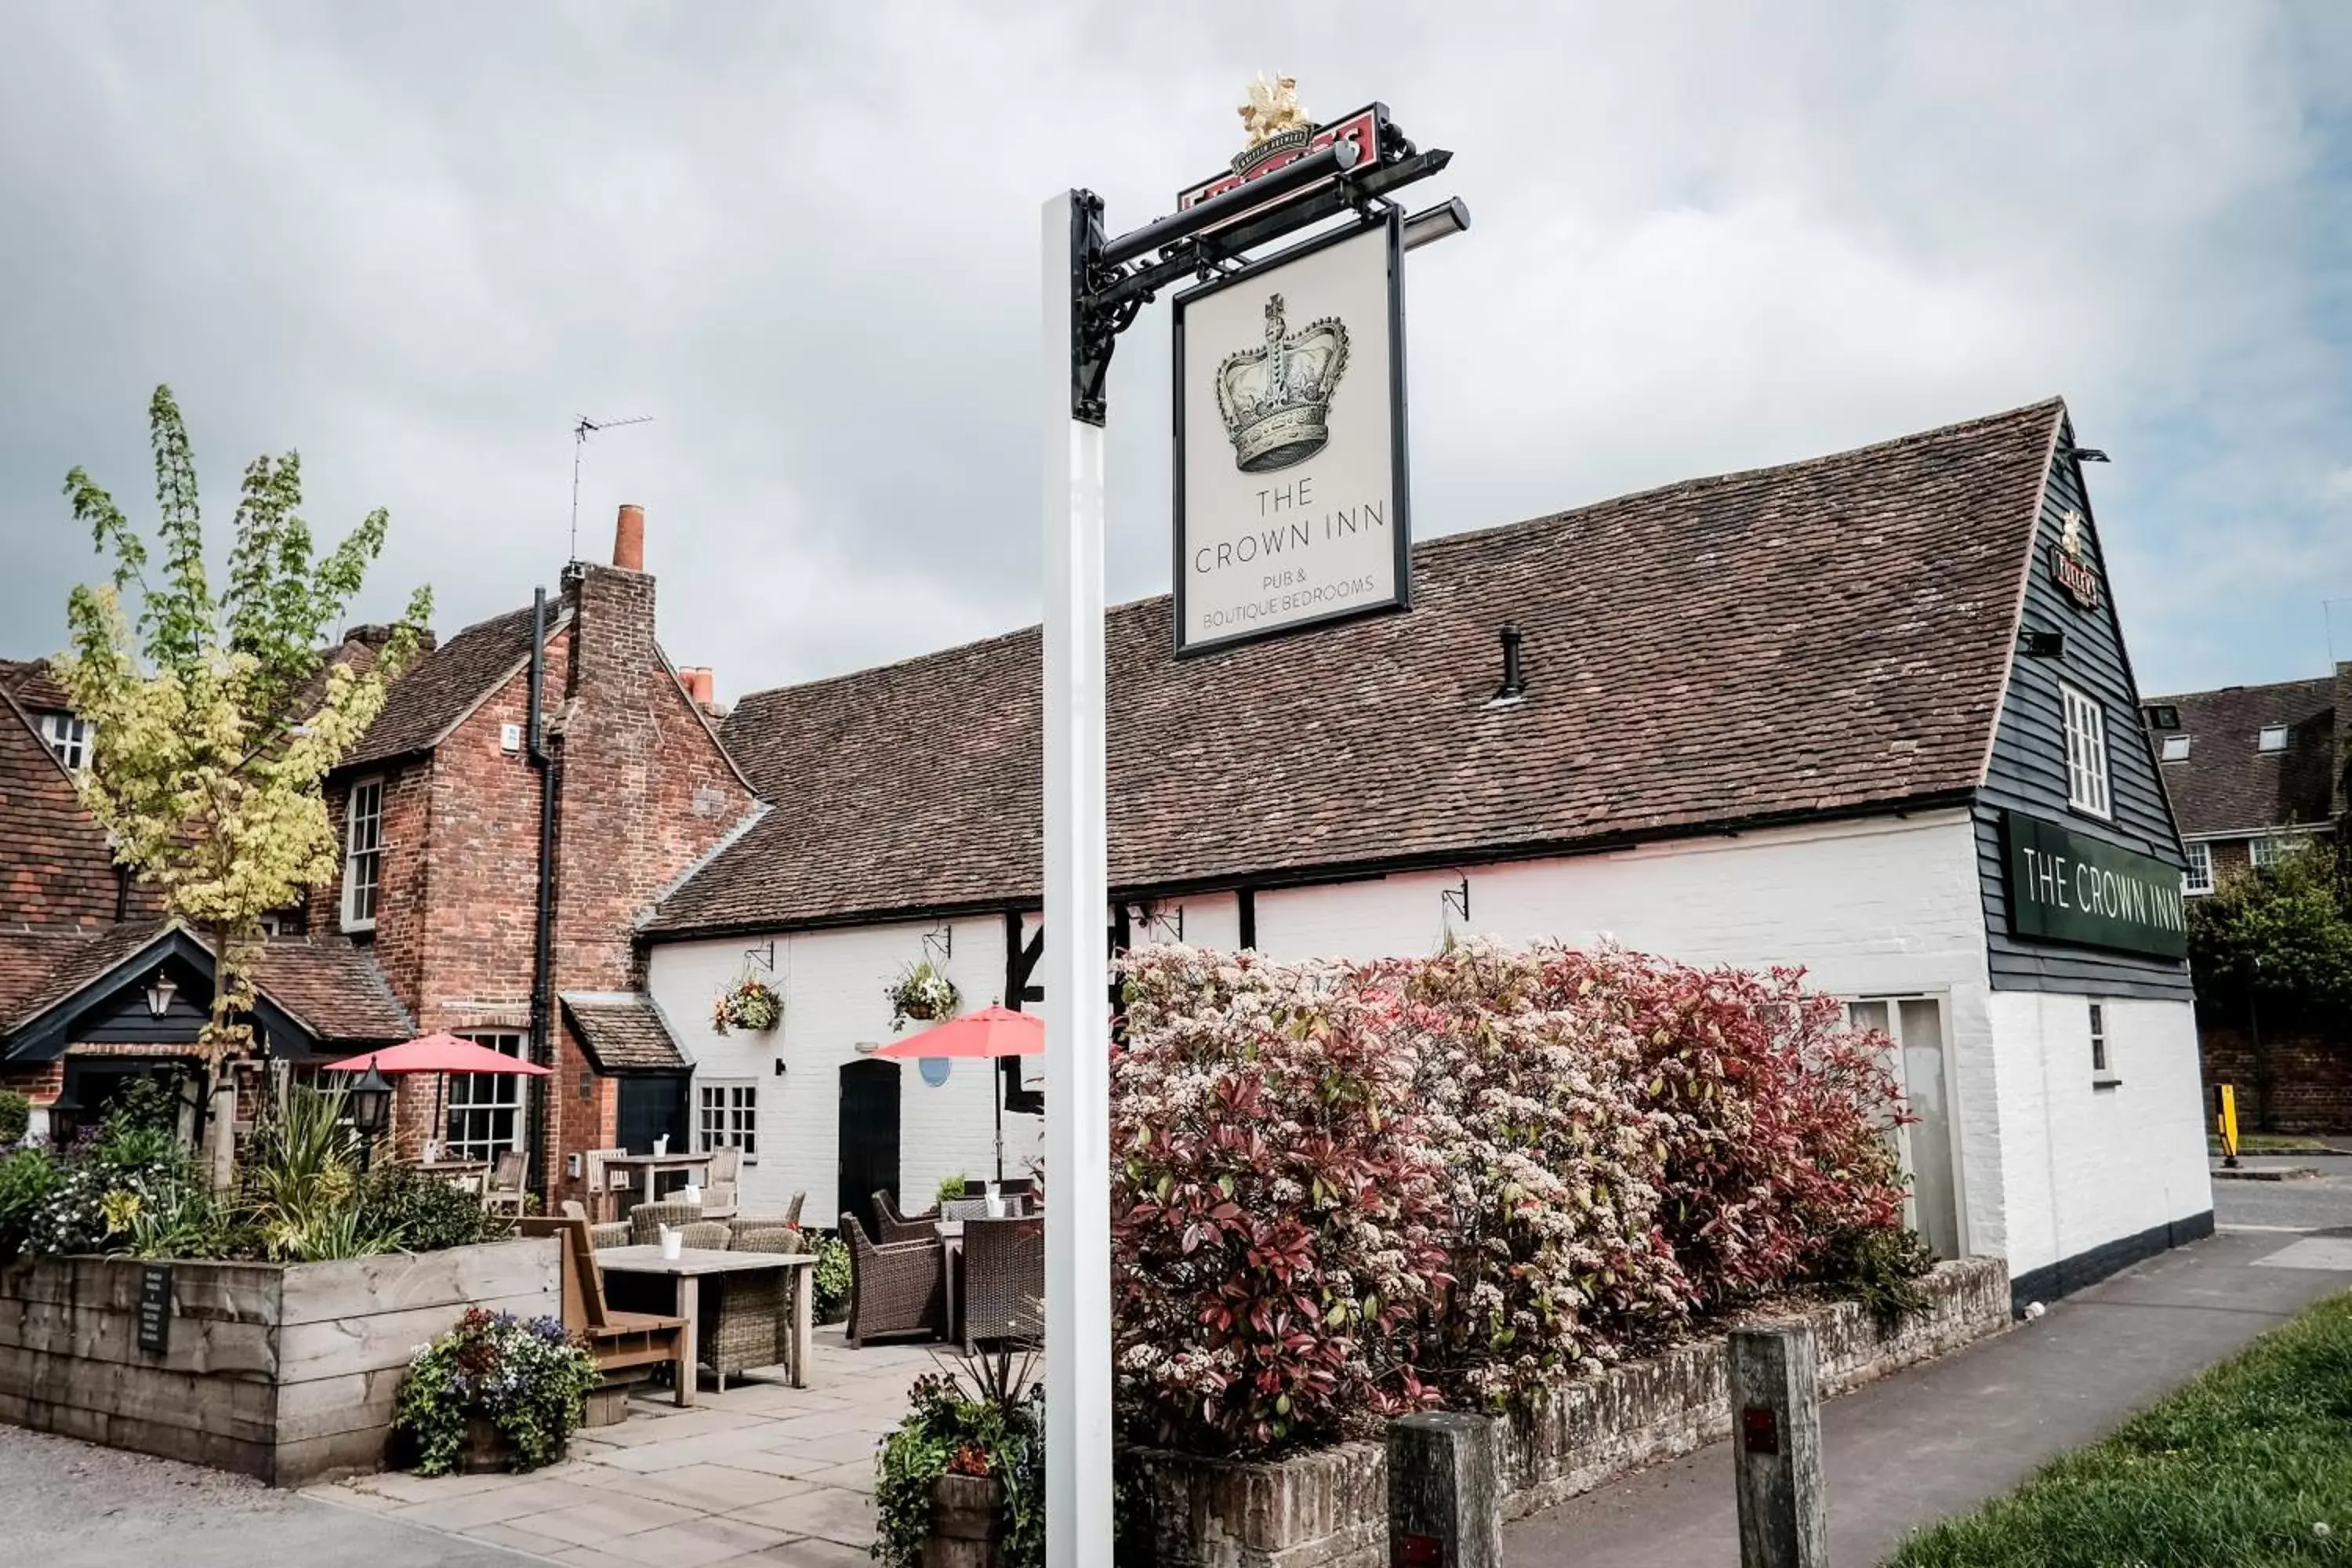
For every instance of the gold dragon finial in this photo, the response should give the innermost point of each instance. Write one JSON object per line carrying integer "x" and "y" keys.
{"x": 1273, "y": 109}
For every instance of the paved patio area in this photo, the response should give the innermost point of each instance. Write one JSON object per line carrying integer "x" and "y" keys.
{"x": 761, "y": 1474}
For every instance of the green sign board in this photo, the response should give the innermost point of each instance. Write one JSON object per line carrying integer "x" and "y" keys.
{"x": 2068, "y": 887}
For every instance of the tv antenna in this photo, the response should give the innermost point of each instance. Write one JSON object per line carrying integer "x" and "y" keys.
{"x": 580, "y": 433}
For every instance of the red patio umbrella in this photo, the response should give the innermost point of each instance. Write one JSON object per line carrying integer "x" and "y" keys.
{"x": 993, "y": 1032}
{"x": 441, "y": 1054}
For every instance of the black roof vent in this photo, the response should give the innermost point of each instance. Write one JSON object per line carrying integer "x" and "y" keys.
{"x": 1515, "y": 680}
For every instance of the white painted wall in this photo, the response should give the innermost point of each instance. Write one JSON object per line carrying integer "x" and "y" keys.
{"x": 833, "y": 984}
{"x": 2090, "y": 1165}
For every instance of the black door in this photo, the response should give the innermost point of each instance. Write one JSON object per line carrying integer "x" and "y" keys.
{"x": 652, "y": 1104}
{"x": 869, "y": 1139}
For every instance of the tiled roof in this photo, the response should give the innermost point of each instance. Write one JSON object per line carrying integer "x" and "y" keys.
{"x": 55, "y": 865}
{"x": 623, "y": 1032}
{"x": 30, "y": 682}
{"x": 2228, "y": 784}
{"x": 442, "y": 686}
{"x": 1829, "y": 635}
{"x": 327, "y": 984}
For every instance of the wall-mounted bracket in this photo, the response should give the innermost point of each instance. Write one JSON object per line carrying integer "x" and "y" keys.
{"x": 1456, "y": 901}
{"x": 939, "y": 947}
{"x": 765, "y": 955}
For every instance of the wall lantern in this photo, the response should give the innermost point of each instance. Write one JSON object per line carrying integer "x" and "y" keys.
{"x": 370, "y": 1101}
{"x": 779, "y": 1067}
{"x": 867, "y": 1048}
{"x": 160, "y": 992}
{"x": 65, "y": 1118}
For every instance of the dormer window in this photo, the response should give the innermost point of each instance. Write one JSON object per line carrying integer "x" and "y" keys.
{"x": 67, "y": 739}
{"x": 2176, "y": 749}
{"x": 362, "y": 854}
{"x": 2272, "y": 739}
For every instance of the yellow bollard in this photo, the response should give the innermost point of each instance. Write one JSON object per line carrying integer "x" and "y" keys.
{"x": 2225, "y": 1123}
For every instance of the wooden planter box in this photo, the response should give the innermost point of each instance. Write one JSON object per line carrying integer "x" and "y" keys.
{"x": 1327, "y": 1508}
{"x": 965, "y": 1523}
{"x": 283, "y": 1371}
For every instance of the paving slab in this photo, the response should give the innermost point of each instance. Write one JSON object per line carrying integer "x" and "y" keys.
{"x": 1941, "y": 1438}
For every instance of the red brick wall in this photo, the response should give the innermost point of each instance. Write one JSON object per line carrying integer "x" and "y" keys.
{"x": 2300, "y": 1080}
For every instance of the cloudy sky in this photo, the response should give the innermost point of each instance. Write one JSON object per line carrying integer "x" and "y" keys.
{"x": 418, "y": 241}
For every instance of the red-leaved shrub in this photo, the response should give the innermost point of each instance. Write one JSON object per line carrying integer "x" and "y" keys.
{"x": 1276, "y": 1210}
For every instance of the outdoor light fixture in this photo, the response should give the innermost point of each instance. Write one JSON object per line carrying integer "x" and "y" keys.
{"x": 2038, "y": 644}
{"x": 160, "y": 992}
{"x": 779, "y": 1067}
{"x": 1442, "y": 221}
{"x": 2090, "y": 454}
{"x": 64, "y": 1117}
{"x": 370, "y": 1101}
{"x": 867, "y": 1048}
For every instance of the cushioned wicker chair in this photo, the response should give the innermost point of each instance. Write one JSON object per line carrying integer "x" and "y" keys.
{"x": 646, "y": 1220}
{"x": 1003, "y": 1281}
{"x": 895, "y": 1288}
{"x": 964, "y": 1208}
{"x": 894, "y": 1226}
{"x": 611, "y": 1232}
{"x": 752, "y": 1325}
{"x": 712, "y": 1235}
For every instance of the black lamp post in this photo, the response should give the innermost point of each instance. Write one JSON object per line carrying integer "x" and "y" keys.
{"x": 65, "y": 1118}
{"x": 371, "y": 1109}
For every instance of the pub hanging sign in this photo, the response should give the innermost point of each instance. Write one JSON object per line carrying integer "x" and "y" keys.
{"x": 2067, "y": 887}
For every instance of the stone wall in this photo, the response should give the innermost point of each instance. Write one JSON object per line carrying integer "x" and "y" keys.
{"x": 286, "y": 1372}
{"x": 1328, "y": 1508}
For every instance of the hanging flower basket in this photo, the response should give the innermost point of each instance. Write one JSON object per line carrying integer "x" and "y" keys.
{"x": 747, "y": 1004}
{"x": 922, "y": 994}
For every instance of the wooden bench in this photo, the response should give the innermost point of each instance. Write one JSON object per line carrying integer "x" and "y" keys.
{"x": 622, "y": 1343}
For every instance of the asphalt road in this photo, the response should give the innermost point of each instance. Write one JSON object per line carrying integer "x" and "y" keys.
{"x": 72, "y": 1505}
{"x": 2320, "y": 1203}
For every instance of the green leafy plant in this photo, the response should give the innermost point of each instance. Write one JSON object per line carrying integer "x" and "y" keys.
{"x": 15, "y": 1117}
{"x": 830, "y": 1286}
{"x": 1879, "y": 1269}
{"x": 981, "y": 1417}
{"x": 951, "y": 1186}
{"x": 923, "y": 994}
{"x": 29, "y": 1179}
{"x": 105, "y": 1186}
{"x": 748, "y": 1004}
{"x": 2282, "y": 932}
{"x": 149, "y": 1104}
{"x": 416, "y": 1211}
{"x": 526, "y": 1377}
{"x": 301, "y": 1181}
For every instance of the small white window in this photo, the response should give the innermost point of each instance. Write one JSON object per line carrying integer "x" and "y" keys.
{"x": 2099, "y": 1068}
{"x": 2267, "y": 851}
{"x": 362, "y": 854}
{"x": 2176, "y": 748}
{"x": 68, "y": 738}
{"x": 2199, "y": 876}
{"x": 728, "y": 1117}
{"x": 2272, "y": 739}
{"x": 485, "y": 1109}
{"x": 2086, "y": 752}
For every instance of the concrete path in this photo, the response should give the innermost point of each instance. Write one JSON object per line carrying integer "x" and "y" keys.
{"x": 763, "y": 1473}
{"x": 1938, "y": 1440}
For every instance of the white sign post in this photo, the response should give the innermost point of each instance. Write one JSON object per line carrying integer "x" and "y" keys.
{"x": 1076, "y": 957}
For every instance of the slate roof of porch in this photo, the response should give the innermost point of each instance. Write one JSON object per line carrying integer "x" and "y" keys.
{"x": 624, "y": 1031}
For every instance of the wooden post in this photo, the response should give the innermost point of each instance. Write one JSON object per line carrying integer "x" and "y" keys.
{"x": 1445, "y": 1498}
{"x": 1776, "y": 1439}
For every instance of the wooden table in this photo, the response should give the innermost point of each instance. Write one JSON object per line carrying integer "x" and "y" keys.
{"x": 687, "y": 1271}
{"x": 655, "y": 1168}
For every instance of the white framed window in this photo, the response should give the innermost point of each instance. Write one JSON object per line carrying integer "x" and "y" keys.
{"x": 67, "y": 739}
{"x": 2176, "y": 749}
{"x": 362, "y": 854}
{"x": 485, "y": 1109}
{"x": 2267, "y": 851}
{"x": 2197, "y": 876}
{"x": 2272, "y": 739}
{"x": 2087, "y": 751}
{"x": 726, "y": 1116}
{"x": 2100, "y": 1071}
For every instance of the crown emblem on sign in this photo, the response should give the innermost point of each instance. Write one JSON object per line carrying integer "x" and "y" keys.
{"x": 1277, "y": 397}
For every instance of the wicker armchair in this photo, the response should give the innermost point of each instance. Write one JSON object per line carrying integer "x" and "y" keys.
{"x": 784, "y": 1239}
{"x": 793, "y": 1209}
{"x": 896, "y": 1288}
{"x": 895, "y": 1227}
{"x": 964, "y": 1208}
{"x": 1003, "y": 1281}
{"x": 611, "y": 1232}
{"x": 742, "y": 1225}
{"x": 722, "y": 1184}
{"x": 646, "y": 1220}
{"x": 711, "y": 1235}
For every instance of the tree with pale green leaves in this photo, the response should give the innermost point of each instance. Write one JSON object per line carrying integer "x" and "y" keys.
{"x": 217, "y": 716}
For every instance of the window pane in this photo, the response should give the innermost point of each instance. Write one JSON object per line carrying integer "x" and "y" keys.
{"x": 484, "y": 1115}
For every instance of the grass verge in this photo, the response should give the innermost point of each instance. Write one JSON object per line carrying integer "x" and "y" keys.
{"x": 2247, "y": 1467}
{"x": 2269, "y": 1144}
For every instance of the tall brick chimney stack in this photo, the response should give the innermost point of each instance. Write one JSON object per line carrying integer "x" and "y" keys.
{"x": 629, "y": 538}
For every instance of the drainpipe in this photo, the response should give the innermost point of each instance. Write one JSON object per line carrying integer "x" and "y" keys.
{"x": 543, "y": 999}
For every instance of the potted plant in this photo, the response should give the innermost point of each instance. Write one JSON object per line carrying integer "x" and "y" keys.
{"x": 496, "y": 1393}
{"x": 923, "y": 994}
{"x": 961, "y": 1482}
{"x": 748, "y": 1004}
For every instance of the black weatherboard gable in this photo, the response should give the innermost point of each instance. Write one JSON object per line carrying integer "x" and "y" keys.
{"x": 2026, "y": 771}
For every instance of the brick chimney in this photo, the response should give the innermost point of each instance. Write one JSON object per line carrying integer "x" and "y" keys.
{"x": 700, "y": 684}
{"x": 629, "y": 538}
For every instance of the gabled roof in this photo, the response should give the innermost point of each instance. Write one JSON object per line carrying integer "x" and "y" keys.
{"x": 437, "y": 693}
{"x": 1827, "y": 636}
{"x": 2228, "y": 784}
{"x": 624, "y": 1031}
{"x": 56, "y": 868}
{"x": 31, "y": 682}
